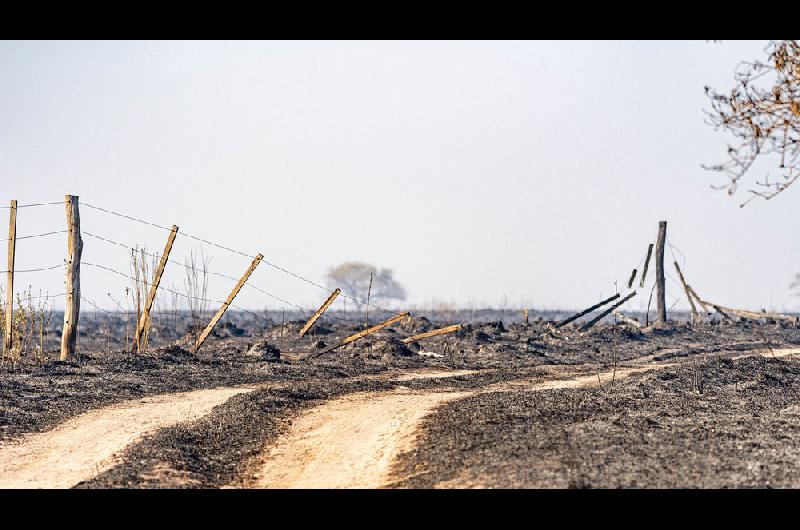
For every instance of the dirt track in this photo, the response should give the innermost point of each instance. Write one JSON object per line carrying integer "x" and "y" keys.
{"x": 88, "y": 444}
{"x": 352, "y": 441}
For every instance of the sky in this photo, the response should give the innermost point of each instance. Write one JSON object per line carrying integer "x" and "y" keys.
{"x": 482, "y": 173}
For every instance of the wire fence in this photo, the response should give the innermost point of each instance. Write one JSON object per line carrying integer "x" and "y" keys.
{"x": 305, "y": 311}
{"x": 250, "y": 284}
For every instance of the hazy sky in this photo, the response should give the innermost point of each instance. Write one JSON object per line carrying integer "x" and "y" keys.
{"x": 476, "y": 170}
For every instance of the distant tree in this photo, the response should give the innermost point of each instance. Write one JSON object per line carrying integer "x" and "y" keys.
{"x": 762, "y": 112}
{"x": 353, "y": 278}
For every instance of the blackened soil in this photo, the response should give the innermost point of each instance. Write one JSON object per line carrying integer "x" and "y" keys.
{"x": 710, "y": 424}
{"x": 211, "y": 451}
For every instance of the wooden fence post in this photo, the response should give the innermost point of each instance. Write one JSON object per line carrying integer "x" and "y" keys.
{"x": 228, "y": 302}
{"x": 586, "y": 311}
{"x": 12, "y": 243}
{"x": 599, "y": 317}
{"x": 646, "y": 264}
{"x": 687, "y": 290}
{"x": 633, "y": 277}
{"x": 661, "y": 293}
{"x": 354, "y": 337}
{"x": 144, "y": 320}
{"x": 73, "y": 282}
{"x": 435, "y": 332}
{"x": 319, "y": 312}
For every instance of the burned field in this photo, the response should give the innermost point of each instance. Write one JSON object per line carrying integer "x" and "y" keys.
{"x": 717, "y": 423}
{"x": 724, "y": 416}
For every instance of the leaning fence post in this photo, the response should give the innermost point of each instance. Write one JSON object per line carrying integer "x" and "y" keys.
{"x": 228, "y": 302}
{"x": 73, "y": 281}
{"x": 599, "y": 317}
{"x": 12, "y": 243}
{"x": 144, "y": 319}
{"x": 319, "y": 311}
{"x": 586, "y": 311}
{"x": 354, "y": 337}
{"x": 646, "y": 264}
{"x": 435, "y": 332}
{"x": 661, "y": 296}
{"x": 687, "y": 289}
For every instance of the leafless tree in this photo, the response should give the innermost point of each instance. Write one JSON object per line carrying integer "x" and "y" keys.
{"x": 353, "y": 277}
{"x": 762, "y": 112}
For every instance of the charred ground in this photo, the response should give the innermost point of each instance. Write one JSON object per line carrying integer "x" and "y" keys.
{"x": 215, "y": 450}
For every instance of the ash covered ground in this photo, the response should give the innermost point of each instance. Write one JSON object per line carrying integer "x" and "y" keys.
{"x": 215, "y": 450}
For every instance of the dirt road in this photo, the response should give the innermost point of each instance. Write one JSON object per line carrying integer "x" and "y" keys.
{"x": 87, "y": 445}
{"x": 82, "y": 447}
{"x": 351, "y": 442}
{"x": 347, "y": 442}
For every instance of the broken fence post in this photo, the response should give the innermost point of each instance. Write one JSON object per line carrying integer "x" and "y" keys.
{"x": 753, "y": 315}
{"x": 719, "y": 310}
{"x": 72, "y": 308}
{"x": 228, "y": 302}
{"x": 661, "y": 291}
{"x": 633, "y": 277}
{"x": 354, "y": 337}
{"x": 12, "y": 243}
{"x": 585, "y": 311}
{"x": 144, "y": 320}
{"x": 628, "y": 320}
{"x": 319, "y": 311}
{"x": 646, "y": 265}
{"x": 599, "y": 317}
{"x": 440, "y": 331}
{"x": 695, "y": 315}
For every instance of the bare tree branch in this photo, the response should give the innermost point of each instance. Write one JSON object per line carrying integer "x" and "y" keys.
{"x": 762, "y": 112}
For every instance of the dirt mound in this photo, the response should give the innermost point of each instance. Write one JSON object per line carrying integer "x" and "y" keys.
{"x": 228, "y": 329}
{"x": 419, "y": 324}
{"x": 264, "y": 349}
{"x": 497, "y": 327}
{"x": 480, "y": 337}
{"x": 392, "y": 347}
{"x": 174, "y": 354}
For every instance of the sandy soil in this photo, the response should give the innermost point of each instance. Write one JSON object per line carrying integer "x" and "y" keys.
{"x": 88, "y": 444}
{"x": 349, "y": 442}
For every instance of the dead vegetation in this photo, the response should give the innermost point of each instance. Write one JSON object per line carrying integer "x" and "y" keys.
{"x": 762, "y": 113}
{"x": 30, "y": 322}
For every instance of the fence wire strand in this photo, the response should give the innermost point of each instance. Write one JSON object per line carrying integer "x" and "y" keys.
{"x": 241, "y": 253}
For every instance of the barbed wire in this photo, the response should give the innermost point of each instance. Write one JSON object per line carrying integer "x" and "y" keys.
{"x": 131, "y": 312}
{"x": 144, "y": 282}
{"x": 33, "y": 204}
{"x": 158, "y": 256}
{"x": 36, "y": 235}
{"x": 187, "y": 266}
{"x": 241, "y": 253}
{"x": 37, "y": 270}
{"x": 178, "y": 293}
